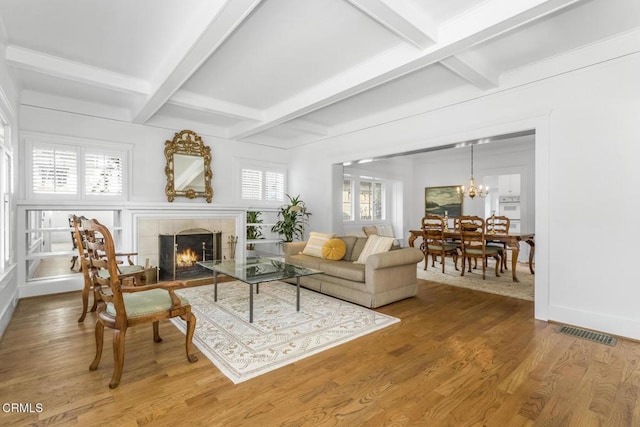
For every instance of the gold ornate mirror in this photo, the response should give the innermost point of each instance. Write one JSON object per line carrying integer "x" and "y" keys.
{"x": 188, "y": 167}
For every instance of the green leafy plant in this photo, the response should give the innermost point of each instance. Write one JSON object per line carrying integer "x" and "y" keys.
{"x": 253, "y": 231}
{"x": 293, "y": 218}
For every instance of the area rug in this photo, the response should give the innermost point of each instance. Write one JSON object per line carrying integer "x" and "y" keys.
{"x": 503, "y": 285}
{"x": 279, "y": 335}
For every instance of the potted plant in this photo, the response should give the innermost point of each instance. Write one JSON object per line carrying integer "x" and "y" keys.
{"x": 293, "y": 217}
{"x": 253, "y": 231}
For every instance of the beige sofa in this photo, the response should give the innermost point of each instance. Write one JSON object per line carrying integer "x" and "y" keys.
{"x": 384, "y": 278}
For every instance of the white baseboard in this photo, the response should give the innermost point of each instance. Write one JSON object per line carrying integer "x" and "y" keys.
{"x": 619, "y": 326}
{"x": 51, "y": 286}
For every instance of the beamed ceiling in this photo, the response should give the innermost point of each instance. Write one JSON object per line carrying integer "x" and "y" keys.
{"x": 290, "y": 72}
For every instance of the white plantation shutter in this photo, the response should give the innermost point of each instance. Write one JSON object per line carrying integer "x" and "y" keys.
{"x": 262, "y": 184}
{"x": 274, "y": 186}
{"x": 55, "y": 171}
{"x": 251, "y": 184}
{"x": 103, "y": 174}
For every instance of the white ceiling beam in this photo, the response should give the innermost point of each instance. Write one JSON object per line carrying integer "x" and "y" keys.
{"x": 307, "y": 126}
{"x": 229, "y": 16}
{"x": 482, "y": 79}
{"x": 219, "y": 107}
{"x": 397, "y": 21}
{"x": 490, "y": 19}
{"x": 74, "y": 71}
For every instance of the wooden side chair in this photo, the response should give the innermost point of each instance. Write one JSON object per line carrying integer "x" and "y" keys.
{"x": 88, "y": 245}
{"x": 499, "y": 224}
{"x": 472, "y": 232}
{"x": 127, "y": 305}
{"x": 435, "y": 242}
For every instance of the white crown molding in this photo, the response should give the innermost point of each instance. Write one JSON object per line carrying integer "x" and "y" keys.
{"x": 74, "y": 71}
{"x": 70, "y": 105}
{"x": 229, "y": 16}
{"x": 485, "y": 22}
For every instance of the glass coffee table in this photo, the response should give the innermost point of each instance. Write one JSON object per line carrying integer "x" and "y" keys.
{"x": 254, "y": 271}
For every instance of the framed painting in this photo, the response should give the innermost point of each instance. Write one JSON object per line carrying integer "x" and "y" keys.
{"x": 437, "y": 200}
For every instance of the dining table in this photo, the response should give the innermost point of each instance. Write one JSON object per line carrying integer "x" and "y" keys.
{"x": 512, "y": 240}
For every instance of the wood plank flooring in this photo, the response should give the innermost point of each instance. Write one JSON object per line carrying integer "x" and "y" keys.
{"x": 457, "y": 358}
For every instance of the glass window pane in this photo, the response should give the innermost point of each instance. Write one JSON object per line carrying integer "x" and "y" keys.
{"x": 366, "y": 201}
{"x": 347, "y": 203}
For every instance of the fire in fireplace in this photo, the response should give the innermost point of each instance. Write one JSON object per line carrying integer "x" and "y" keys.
{"x": 181, "y": 252}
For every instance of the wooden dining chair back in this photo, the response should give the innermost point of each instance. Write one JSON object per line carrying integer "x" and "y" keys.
{"x": 435, "y": 243}
{"x": 473, "y": 244}
{"x": 91, "y": 247}
{"x": 499, "y": 224}
{"x": 127, "y": 305}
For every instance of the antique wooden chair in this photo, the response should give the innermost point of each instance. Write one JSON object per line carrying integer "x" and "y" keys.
{"x": 89, "y": 246}
{"x": 435, "y": 242}
{"x": 472, "y": 233}
{"x": 499, "y": 224}
{"x": 127, "y": 305}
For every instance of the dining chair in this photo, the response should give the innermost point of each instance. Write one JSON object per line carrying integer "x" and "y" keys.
{"x": 92, "y": 247}
{"x": 499, "y": 224}
{"x": 435, "y": 243}
{"x": 473, "y": 244}
{"x": 127, "y": 305}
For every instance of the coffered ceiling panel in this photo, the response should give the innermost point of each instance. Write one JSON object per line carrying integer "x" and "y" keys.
{"x": 286, "y": 46}
{"x": 289, "y": 72}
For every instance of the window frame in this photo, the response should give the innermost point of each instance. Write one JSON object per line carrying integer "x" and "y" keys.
{"x": 7, "y": 190}
{"x": 356, "y": 181}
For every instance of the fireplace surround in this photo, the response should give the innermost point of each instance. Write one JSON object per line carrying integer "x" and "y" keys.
{"x": 179, "y": 253}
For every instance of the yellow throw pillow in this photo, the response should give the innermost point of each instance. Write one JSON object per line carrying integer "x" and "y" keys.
{"x": 334, "y": 249}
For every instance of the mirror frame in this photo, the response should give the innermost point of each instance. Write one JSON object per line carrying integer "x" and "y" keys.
{"x": 189, "y": 143}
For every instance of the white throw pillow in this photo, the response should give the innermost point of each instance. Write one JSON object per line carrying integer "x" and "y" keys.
{"x": 375, "y": 245}
{"x": 315, "y": 243}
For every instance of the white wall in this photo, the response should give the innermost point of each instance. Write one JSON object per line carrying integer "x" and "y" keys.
{"x": 587, "y": 134}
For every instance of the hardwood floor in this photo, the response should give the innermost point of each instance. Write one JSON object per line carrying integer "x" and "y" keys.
{"x": 458, "y": 358}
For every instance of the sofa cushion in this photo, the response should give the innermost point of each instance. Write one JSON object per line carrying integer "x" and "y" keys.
{"x": 343, "y": 269}
{"x": 315, "y": 243}
{"x": 357, "y": 248}
{"x": 334, "y": 249}
{"x": 385, "y": 230}
{"x": 350, "y": 242}
{"x": 375, "y": 245}
{"x": 305, "y": 261}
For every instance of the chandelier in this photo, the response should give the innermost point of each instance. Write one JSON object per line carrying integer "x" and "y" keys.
{"x": 473, "y": 191}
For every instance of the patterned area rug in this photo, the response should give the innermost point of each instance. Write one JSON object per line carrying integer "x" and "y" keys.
{"x": 279, "y": 335}
{"x": 503, "y": 285}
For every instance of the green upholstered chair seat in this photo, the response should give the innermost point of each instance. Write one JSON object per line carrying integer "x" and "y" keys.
{"x": 489, "y": 251}
{"x": 146, "y": 302}
{"x": 124, "y": 269}
{"x": 447, "y": 247}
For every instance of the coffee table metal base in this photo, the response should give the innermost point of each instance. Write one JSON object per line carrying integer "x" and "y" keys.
{"x": 215, "y": 293}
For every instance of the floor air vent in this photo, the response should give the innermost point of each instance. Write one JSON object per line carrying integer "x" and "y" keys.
{"x": 588, "y": 335}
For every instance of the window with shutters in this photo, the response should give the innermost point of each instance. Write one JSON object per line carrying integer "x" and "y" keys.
{"x": 76, "y": 171}
{"x": 262, "y": 183}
